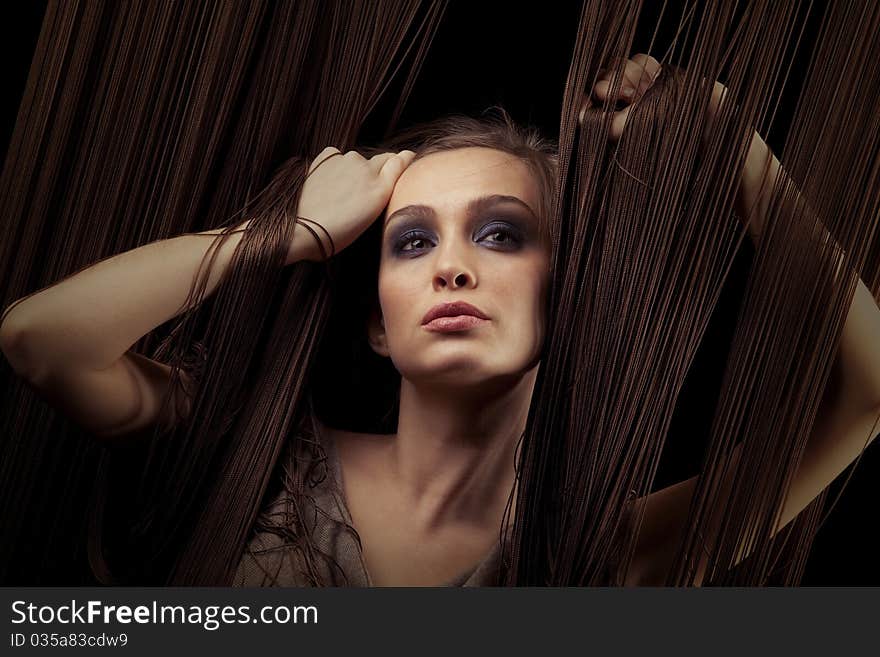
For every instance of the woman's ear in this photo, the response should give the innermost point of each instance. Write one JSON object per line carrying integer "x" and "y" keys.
{"x": 376, "y": 333}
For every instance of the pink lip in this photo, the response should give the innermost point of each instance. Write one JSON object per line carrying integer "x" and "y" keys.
{"x": 453, "y": 309}
{"x": 457, "y": 323}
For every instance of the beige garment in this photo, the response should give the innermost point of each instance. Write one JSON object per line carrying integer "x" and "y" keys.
{"x": 268, "y": 561}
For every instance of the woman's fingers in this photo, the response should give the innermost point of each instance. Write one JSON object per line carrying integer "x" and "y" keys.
{"x": 407, "y": 156}
{"x": 628, "y": 89}
{"x": 378, "y": 161}
{"x": 381, "y": 161}
{"x": 644, "y": 69}
{"x": 603, "y": 88}
{"x": 394, "y": 166}
{"x": 637, "y": 75}
{"x": 328, "y": 152}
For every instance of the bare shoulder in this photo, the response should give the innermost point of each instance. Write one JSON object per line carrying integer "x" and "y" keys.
{"x": 356, "y": 449}
{"x": 363, "y": 470}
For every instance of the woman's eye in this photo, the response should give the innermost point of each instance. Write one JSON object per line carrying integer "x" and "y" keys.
{"x": 503, "y": 236}
{"x": 414, "y": 240}
{"x": 497, "y": 234}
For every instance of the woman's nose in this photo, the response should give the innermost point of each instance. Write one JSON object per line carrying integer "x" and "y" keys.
{"x": 452, "y": 272}
{"x": 452, "y": 278}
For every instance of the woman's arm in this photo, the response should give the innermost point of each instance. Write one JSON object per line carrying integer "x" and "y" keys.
{"x": 70, "y": 341}
{"x": 847, "y": 420}
{"x": 857, "y": 367}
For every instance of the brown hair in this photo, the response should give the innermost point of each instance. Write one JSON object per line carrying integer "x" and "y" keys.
{"x": 494, "y": 128}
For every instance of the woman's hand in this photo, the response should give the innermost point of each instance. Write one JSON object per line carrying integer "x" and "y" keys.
{"x": 345, "y": 194}
{"x": 639, "y": 74}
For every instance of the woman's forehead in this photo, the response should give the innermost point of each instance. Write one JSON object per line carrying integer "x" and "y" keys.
{"x": 452, "y": 178}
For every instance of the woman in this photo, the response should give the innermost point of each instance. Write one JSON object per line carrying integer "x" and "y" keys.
{"x": 463, "y": 222}
{"x": 462, "y": 284}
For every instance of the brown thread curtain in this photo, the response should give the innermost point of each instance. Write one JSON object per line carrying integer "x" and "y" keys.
{"x": 609, "y": 384}
{"x": 192, "y": 106}
{"x": 178, "y": 110}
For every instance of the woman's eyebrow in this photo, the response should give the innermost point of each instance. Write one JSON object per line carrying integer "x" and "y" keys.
{"x": 474, "y": 207}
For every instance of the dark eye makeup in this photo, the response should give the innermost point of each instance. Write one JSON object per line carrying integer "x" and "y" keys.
{"x": 501, "y": 235}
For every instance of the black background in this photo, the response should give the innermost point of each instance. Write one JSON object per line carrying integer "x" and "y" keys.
{"x": 519, "y": 59}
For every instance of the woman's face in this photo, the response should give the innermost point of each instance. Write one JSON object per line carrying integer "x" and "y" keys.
{"x": 449, "y": 236}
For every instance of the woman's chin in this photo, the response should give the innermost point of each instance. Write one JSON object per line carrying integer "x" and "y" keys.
{"x": 461, "y": 375}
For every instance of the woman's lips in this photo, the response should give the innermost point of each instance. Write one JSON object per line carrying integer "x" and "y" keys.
{"x": 456, "y": 323}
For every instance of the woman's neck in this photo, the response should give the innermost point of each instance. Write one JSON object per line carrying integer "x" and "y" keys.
{"x": 453, "y": 455}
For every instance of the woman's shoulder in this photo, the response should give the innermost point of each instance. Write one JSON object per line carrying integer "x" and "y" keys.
{"x": 355, "y": 449}
{"x": 345, "y": 435}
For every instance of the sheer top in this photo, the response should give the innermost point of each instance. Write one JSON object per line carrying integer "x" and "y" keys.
{"x": 270, "y": 560}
